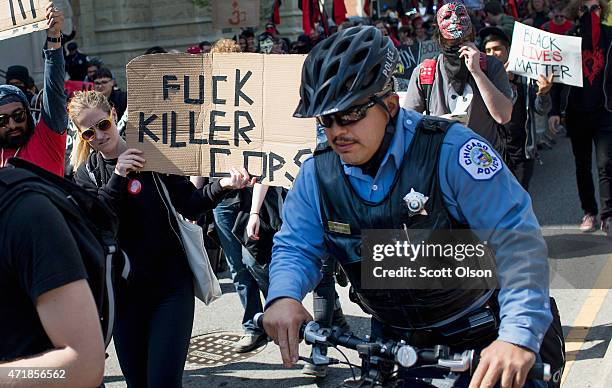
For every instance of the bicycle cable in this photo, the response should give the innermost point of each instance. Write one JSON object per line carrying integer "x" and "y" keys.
{"x": 347, "y": 362}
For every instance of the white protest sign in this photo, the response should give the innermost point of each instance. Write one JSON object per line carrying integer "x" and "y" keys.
{"x": 203, "y": 114}
{"x": 20, "y": 17}
{"x": 534, "y": 52}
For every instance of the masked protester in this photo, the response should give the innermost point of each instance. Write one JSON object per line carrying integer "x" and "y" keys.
{"x": 265, "y": 43}
{"x": 44, "y": 143}
{"x": 467, "y": 85}
{"x": 588, "y": 112}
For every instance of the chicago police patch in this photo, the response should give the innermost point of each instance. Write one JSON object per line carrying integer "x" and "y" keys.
{"x": 479, "y": 159}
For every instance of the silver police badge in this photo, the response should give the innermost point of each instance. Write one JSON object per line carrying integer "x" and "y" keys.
{"x": 416, "y": 203}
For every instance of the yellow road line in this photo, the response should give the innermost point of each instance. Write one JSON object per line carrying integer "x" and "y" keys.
{"x": 587, "y": 315}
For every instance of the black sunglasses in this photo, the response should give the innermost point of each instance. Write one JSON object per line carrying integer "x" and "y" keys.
{"x": 594, "y": 7}
{"x": 19, "y": 116}
{"x": 346, "y": 117}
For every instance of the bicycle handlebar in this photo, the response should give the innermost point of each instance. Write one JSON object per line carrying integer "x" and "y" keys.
{"x": 404, "y": 355}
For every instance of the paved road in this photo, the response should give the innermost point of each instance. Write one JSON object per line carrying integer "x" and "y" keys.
{"x": 586, "y": 313}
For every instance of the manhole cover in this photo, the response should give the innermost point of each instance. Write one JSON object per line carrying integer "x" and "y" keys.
{"x": 216, "y": 349}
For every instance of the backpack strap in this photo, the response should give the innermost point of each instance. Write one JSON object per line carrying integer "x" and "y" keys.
{"x": 434, "y": 124}
{"x": 427, "y": 74}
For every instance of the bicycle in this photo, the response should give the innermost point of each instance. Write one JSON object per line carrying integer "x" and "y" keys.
{"x": 382, "y": 361}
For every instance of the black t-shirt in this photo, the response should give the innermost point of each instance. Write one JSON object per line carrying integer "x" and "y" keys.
{"x": 38, "y": 255}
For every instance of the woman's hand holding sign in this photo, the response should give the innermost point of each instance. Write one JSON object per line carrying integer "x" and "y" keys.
{"x": 130, "y": 160}
{"x": 238, "y": 179}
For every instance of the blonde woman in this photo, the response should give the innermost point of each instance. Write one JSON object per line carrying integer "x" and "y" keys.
{"x": 155, "y": 304}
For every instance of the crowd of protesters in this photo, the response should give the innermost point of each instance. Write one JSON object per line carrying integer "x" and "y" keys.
{"x": 519, "y": 117}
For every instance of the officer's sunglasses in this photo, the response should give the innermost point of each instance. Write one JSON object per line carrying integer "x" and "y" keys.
{"x": 90, "y": 133}
{"x": 346, "y": 117}
{"x": 19, "y": 116}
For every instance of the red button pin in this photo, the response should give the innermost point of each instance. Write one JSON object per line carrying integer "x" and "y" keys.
{"x": 134, "y": 186}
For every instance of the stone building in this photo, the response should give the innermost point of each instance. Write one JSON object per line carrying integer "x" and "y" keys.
{"x": 119, "y": 30}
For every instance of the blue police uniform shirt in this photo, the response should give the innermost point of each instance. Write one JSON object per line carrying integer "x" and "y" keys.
{"x": 490, "y": 201}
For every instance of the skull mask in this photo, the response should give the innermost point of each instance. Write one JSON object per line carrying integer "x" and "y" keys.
{"x": 454, "y": 21}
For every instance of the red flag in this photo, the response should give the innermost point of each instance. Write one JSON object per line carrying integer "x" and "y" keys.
{"x": 306, "y": 19}
{"x": 276, "y": 12}
{"x": 366, "y": 7}
{"x": 513, "y": 8}
{"x": 339, "y": 11}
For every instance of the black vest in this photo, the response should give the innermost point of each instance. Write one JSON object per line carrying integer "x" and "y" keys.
{"x": 340, "y": 204}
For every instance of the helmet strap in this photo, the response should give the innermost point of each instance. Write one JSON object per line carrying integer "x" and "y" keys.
{"x": 371, "y": 166}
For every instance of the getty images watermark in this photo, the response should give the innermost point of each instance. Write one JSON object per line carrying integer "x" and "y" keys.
{"x": 472, "y": 259}
{"x": 426, "y": 259}
{"x": 410, "y": 251}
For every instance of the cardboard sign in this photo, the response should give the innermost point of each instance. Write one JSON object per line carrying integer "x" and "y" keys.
{"x": 203, "y": 114}
{"x": 20, "y": 17}
{"x": 76, "y": 86}
{"x": 235, "y": 14}
{"x": 534, "y": 52}
{"x": 410, "y": 57}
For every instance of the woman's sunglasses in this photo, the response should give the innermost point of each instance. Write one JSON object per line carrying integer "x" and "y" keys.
{"x": 90, "y": 133}
{"x": 346, "y": 117}
{"x": 19, "y": 116}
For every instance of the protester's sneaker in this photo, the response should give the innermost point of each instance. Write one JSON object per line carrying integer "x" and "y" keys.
{"x": 606, "y": 226}
{"x": 250, "y": 341}
{"x": 315, "y": 370}
{"x": 589, "y": 222}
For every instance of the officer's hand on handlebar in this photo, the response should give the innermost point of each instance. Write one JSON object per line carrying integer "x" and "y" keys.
{"x": 282, "y": 322}
{"x": 505, "y": 362}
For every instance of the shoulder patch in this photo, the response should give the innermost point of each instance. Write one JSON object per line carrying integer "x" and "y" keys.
{"x": 479, "y": 159}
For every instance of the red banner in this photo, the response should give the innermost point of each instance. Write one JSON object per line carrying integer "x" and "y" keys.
{"x": 75, "y": 86}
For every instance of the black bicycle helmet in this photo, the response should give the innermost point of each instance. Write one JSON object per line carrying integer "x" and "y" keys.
{"x": 348, "y": 66}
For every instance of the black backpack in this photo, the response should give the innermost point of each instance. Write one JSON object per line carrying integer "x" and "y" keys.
{"x": 93, "y": 226}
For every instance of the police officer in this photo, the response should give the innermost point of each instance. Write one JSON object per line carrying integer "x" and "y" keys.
{"x": 377, "y": 153}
